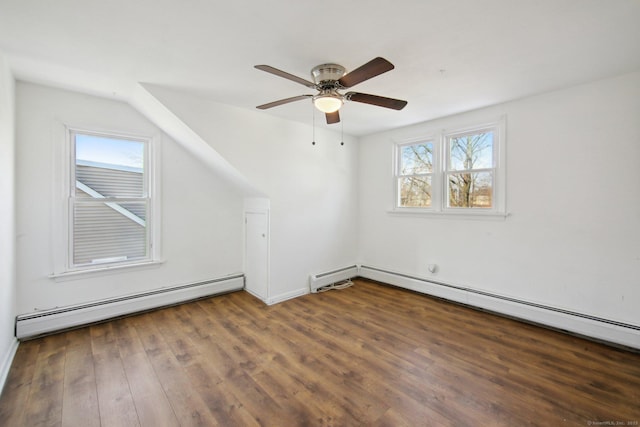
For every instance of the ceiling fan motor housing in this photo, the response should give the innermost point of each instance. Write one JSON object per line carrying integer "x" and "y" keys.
{"x": 327, "y": 74}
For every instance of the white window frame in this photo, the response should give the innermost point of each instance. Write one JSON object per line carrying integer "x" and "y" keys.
{"x": 433, "y": 140}
{"x": 63, "y": 190}
{"x": 439, "y": 186}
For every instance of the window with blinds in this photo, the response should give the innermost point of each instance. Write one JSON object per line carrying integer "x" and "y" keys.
{"x": 109, "y": 203}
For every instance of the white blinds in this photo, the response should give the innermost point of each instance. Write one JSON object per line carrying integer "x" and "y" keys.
{"x": 109, "y": 201}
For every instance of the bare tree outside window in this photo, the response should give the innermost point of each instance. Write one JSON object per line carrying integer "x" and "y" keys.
{"x": 470, "y": 170}
{"x": 456, "y": 172}
{"x": 416, "y": 169}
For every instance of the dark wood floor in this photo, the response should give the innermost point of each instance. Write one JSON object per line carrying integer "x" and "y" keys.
{"x": 366, "y": 355}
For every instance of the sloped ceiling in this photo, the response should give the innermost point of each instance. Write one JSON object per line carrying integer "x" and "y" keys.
{"x": 450, "y": 55}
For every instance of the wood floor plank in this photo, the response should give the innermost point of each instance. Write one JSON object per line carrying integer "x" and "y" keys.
{"x": 236, "y": 352}
{"x": 191, "y": 327}
{"x": 273, "y": 361}
{"x": 368, "y": 355}
{"x": 116, "y": 404}
{"x": 317, "y": 357}
{"x": 45, "y": 397}
{"x": 225, "y": 406}
{"x": 378, "y": 345}
{"x": 80, "y": 399}
{"x": 177, "y": 327}
{"x": 189, "y": 408}
{"x": 152, "y": 406}
{"x": 15, "y": 396}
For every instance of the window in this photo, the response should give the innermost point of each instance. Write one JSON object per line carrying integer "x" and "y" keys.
{"x": 470, "y": 169}
{"x": 110, "y": 208}
{"x": 457, "y": 172}
{"x": 415, "y": 174}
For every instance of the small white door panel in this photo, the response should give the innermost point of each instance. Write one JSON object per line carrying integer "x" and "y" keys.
{"x": 257, "y": 254}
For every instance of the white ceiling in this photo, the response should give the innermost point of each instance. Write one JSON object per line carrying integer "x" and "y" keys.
{"x": 450, "y": 55}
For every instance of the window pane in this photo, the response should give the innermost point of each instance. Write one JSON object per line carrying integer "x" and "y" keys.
{"x": 109, "y": 167}
{"x": 415, "y": 191}
{"x": 470, "y": 190}
{"x": 416, "y": 159}
{"x": 473, "y": 151}
{"x": 109, "y": 232}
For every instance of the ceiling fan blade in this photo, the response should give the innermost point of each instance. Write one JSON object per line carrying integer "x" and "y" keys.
{"x": 280, "y": 73}
{"x": 333, "y": 117}
{"x": 380, "y": 101}
{"x": 283, "y": 101}
{"x": 371, "y": 69}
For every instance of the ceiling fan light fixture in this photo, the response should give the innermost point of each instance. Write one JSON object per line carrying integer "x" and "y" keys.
{"x": 327, "y": 103}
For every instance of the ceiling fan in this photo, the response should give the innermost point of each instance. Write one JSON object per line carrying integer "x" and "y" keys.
{"x": 329, "y": 80}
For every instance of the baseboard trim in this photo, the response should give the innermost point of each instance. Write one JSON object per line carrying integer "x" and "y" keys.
{"x": 601, "y": 329}
{"x": 7, "y": 361}
{"x": 48, "y": 321}
{"x": 287, "y": 296}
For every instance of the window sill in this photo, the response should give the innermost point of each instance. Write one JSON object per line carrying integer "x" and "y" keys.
{"x": 476, "y": 215}
{"x": 102, "y": 271}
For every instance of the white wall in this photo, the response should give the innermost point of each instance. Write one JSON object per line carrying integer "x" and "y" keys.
{"x": 201, "y": 213}
{"x": 7, "y": 220}
{"x": 572, "y": 239}
{"x": 312, "y": 189}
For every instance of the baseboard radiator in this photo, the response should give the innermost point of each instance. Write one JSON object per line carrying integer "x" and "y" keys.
{"x": 610, "y": 331}
{"x": 49, "y": 321}
{"x": 317, "y": 281}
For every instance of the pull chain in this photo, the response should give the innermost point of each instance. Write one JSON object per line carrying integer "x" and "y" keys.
{"x": 341, "y": 132}
{"x": 313, "y": 115}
